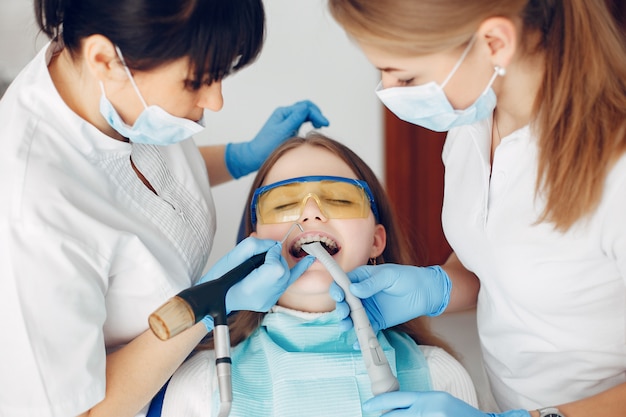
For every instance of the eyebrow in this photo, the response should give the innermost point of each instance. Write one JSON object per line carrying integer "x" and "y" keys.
{"x": 388, "y": 69}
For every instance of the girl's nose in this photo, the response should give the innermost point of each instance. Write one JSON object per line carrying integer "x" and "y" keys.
{"x": 312, "y": 209}
{"x": 211, "y": 96}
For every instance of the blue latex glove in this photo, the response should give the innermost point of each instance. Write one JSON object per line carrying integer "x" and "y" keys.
{"x": 393, "y": 294}
{"x": 429, "y": 404}
{"x": 284, "y": 123}
{"x": 342, "y": 312}
{"x": 260, "y": 290}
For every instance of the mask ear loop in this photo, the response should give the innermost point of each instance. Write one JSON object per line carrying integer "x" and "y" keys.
{"x": 459, "y": 62}
{"x": 498, "y": 71}
{"x": 130, "y": 76}
{"x": 102, "y": 87}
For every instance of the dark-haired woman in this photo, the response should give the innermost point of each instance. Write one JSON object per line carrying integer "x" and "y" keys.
{"x": 107, "y": 209}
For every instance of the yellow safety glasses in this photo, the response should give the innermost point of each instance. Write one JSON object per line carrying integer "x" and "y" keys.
{"x": 336, "y": 197}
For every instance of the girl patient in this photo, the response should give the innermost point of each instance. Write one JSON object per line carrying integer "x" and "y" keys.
{"x": 297, "y": 360}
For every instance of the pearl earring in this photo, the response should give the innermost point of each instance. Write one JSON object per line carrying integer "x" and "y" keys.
{"x": 501, "y": 71}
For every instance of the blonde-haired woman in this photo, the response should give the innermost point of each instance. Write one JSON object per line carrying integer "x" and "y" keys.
{"x": 533, "y": 94}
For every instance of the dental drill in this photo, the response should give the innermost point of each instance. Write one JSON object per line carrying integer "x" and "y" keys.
{"x": 378, "y": 369}
{"x": 209, "y": 298}
{"x": 191, "y": 305}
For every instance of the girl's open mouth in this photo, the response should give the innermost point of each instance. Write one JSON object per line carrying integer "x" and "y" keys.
{"x": 327, "y": 243}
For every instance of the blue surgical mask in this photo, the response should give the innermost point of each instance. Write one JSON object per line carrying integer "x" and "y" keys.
{"x": 426, "y": 105}
{"x": 154, "y": 125}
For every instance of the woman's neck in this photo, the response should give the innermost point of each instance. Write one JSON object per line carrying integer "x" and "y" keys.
{"x": 79, "y": 89}
{"x": 517, "y": 92}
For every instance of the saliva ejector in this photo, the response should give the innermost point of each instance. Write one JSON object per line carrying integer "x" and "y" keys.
{"x": 378, "y": 369}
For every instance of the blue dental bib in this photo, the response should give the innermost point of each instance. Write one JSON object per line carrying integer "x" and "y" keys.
{"x": 299, "y": 364}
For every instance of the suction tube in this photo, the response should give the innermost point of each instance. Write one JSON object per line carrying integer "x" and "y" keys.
{"x": 378, "y": 369}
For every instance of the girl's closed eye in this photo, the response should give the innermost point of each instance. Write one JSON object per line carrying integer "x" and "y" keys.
{"x": 286, "y": 206}
{"x": 339, "y": 202}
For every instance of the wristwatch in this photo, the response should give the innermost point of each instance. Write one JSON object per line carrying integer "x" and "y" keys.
{"x": 550, "y": 412}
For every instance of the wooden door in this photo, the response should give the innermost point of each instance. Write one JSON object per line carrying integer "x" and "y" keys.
{"x": 414, "y": 177}
{"x": 414, "y": 182}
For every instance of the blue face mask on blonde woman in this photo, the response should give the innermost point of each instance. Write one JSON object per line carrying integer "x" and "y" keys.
{"x": 426, "y": 104}
{"x": 533, "y": 201}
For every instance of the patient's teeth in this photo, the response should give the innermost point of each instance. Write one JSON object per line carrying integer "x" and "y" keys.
{"x": 329, "y": 244}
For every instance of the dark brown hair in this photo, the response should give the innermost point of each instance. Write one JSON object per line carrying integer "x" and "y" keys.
{"x": 218, "y": 36}
{"x": 397, "y": 249}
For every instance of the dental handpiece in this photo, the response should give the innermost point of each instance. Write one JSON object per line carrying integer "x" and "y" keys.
{"x": 378, "y": 369}
{"x": 209, "y": 298}
{"x": 191, "y": 305}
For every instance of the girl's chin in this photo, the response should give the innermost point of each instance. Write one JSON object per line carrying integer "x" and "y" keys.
{"x": 309, "y": 301}
{"x": 316, "y": 281}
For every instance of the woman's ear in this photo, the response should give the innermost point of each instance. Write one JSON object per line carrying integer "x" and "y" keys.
{"x": 380, "y": 241}
{"x": 499, "y": 34}
{"x": 102, "y": 60}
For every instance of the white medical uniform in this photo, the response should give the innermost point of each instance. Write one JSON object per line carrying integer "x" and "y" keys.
{"x": 306, "y": 366}
{"x": 552, "y": 306}
{"x": 87, "y": 251}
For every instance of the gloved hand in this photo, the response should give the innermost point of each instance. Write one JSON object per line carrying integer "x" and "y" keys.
{"x": 260, "y": 290}
{"x": 284, "y": 123}
{"x": 393, "y": 294}
{"x": 429, "y": 404}
{"x": 342, "y": 312}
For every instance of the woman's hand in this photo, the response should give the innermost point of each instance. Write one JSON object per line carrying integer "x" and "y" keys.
{"x": 284, "y": 123}
{"x": 393, "y": 294}
{"x": 429, "y": 404}
{"x": 260, "y": 290}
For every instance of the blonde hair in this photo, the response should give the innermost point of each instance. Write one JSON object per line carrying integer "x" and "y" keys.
{"x": 397, "y": 248}
{"x": 418, "y": 27}
{"x": 580, "y": 110}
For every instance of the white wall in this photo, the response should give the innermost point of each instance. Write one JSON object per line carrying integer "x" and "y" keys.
{"x": 18, "y": 36}
{"x": 306, "y": 56}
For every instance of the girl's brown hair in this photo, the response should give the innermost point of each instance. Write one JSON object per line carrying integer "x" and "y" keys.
{"x": 397, "y": 249}
{"x": 580, "y": 111}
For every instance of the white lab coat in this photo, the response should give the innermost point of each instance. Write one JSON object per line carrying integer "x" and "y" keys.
{"x": 87, "y": 252}
{"x": 552, "y": 306}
